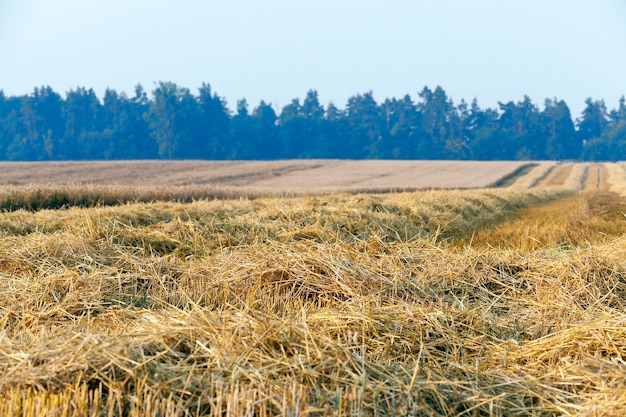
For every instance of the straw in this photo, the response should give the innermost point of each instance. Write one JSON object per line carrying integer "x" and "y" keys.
{"x": 369, "y": 304}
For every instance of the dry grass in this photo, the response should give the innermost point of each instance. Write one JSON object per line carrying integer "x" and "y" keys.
{"x": 325, "y": 305}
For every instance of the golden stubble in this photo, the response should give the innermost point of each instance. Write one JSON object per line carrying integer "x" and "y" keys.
{"x": 325, "y": 305}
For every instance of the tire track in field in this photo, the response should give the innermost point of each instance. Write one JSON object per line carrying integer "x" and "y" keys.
{"x": 592, "y": 215}
{"x": 596, "y": 180}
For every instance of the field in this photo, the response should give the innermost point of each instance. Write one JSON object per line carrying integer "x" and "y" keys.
{"x": 314, "y": 298}
{"x": 290, "y": 176}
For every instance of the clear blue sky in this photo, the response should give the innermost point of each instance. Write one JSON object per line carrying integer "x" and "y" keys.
{"x": 494, "y": 50}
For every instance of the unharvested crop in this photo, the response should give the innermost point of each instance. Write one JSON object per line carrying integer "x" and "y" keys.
{"x": 366, "y": 304}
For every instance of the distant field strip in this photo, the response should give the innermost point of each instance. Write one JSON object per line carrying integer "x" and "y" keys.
{"x": 274, "y": 177}
{"x": 53, "y": 185}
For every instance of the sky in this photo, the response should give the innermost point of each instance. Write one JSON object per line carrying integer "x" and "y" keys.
{"x": 277, "y": 50}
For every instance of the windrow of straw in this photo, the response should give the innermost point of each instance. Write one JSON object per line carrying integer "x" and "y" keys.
{"x": 536, "y": 174}
{"x": 577, "y": 177}
{"x": 329, "y": 305}
{"x": 35, "y": 197}
{"x": 617, "y": 178}
{"x": 569, "y": 177}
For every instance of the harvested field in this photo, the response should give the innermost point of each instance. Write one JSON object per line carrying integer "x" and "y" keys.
{"x": 505, "y": 302}
{"x": 556, "y": 176}
{"x": 274, "y": 177}
{"x": 593, "y": 215}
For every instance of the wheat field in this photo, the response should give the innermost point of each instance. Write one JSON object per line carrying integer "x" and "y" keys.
{"x": 464, "y": 302}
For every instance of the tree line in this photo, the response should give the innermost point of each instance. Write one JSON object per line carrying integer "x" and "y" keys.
{"x": 174, "y": 123}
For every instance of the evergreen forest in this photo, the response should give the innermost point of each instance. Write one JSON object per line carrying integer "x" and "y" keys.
{"x": 173, "y": 123}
